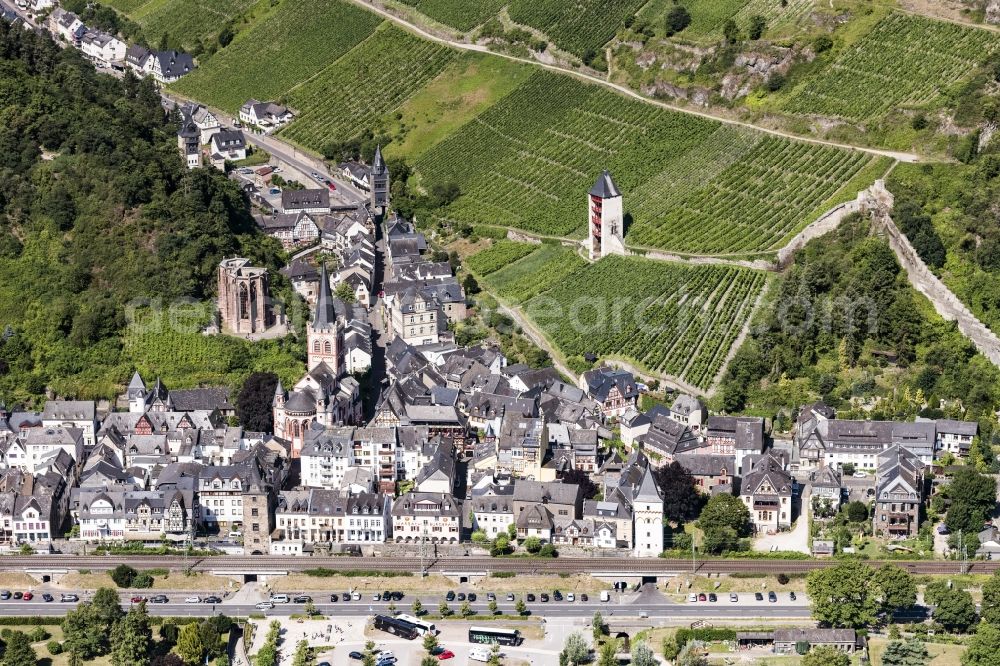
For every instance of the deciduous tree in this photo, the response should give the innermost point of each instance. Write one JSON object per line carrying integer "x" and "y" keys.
{"x": 576, "y": 649}
{"x": 897, "y": 587}
{"x": 842, "y": 596}
{"x": 253, "y": 404}
{"x": 825, "y": 656}
{"x": 132, "y": 638}
{"x": 955, "y": 610}
{"x": 642, "y": 655}
{"x": 681, "y": 501}
{"x": 983, "y": 646}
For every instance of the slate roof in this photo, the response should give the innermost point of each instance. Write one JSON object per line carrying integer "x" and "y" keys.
{"x": 326, "y": 315}
{"x": 299, "y": 199}
{"x": 605, "y": 187}
{"x": 207, "y": 399}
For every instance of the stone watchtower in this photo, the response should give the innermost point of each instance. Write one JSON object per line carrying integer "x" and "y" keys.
{"x": 380, "y": 182}
{"x": 606, "y": 219}
{"x": 244, "y": 297}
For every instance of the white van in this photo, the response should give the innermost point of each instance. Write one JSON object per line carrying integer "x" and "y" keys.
{"x": 279, "y": 599}
{"x": 605, "y": 595}
{"x": 479, "y": 654}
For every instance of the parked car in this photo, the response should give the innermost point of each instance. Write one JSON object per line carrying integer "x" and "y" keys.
{"x": 28, "y": 596}
{"x": 544, "y": 596}
{"x": 450, "y": 596}
{"x": 472, "y": 597}
{"x": 193, "y": 600}
{"x": 460, "y": 596}
{"x": 356, "y": 596}
{"x": 557, "y": 595}
{"x": 18, "y": 595}
{"x": 331, "y": 185}
{"x": 859, "y": 475}
{"x": 137, "y": 599}
{"x": 733, "y": 597}
{"x": 693, "y": 598}
{"x": 490, "y": 596}
{"x": 584, "y": 598}
{"x": 447, "y": 654}
{"x": 334, "y": 598}
{"x": 356, "y": 655}
{"x": 772, "y": 597}
{"x": 160, "y": 599}
{"x": 376, "y": 597}
{"x": 438, "y": 649}
{"x": 47, "y": 597}
{"x": 510, "y": 596}
{"x": 702, "y": 597}
{"x": 397, "y": 596}
{"x": 5, "y": 595}
{"x": 347, "y": 596}
{"x": 712, "y": 598}
{"x": 943, "y": 530}
{"x": 530, "y": 597}
{"x": 758, "y": 596}
{"x": 791, "y": 595}
{"x": 66, "y": 598}
{"x": 302, "y": 599}
{"x": 264, "y": 605}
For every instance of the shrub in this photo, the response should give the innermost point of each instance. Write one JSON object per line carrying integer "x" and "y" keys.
{"x": 54, "y": 647}
{"x": 39, "y": 634}
{"x": 123, "y": 575}
{"x": 142, "y": 581}
{"x": 783, "y": 579}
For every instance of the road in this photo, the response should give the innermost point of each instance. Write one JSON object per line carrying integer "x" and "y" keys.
{"x": 283, "y": 152}
{"x": 625, "y": 565}
{"x": 464, "y": 46}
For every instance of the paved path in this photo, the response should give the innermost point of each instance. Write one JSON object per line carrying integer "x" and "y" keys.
{"x": 464, "y": 46}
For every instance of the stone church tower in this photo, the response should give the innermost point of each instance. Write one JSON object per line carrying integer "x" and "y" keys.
{"x": 323, "y": 338}
{"x": 380, "y": 182}
{"x": 244, "y": 297}
{"x": 606, "y": 221}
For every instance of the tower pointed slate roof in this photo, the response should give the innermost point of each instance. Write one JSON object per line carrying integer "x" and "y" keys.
{"x": 279, "y": 392}
{"x": 136, "y": 387}
{"x": 378, "y": 164}
{"x": 605, "y": 187}
{"x": 326, "y": 315}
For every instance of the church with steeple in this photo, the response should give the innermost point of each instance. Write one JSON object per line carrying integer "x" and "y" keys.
{"x": 379, "y": 183}
{"x": 325, "y": 396}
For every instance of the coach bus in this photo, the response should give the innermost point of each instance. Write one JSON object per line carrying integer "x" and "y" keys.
{"x": 422, "y": 626}
{"x": 394, "y": 625}
{"x": 494, "y": 635}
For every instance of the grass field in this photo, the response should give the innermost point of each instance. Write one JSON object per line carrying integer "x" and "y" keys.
{"x": 391, "y": 66}
{"x": 690, "y": 184}
{"x": 904, "y": 60}
{"x": 185, "y": 21}
{"x": 294, "y": 43}
{"x": 941, "y": 655}
{"x": 671, "y": 319}
{"x": 470, "y": 84}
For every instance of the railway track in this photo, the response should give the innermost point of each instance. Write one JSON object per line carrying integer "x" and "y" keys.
{"x": 593, "y": 565}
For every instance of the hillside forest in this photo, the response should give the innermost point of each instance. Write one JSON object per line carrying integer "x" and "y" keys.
{"x": 97, "y": 211}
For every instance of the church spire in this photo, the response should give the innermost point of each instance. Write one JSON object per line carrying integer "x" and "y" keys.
{"x": 326, "y": 316}
{"x": 378, "y": 164}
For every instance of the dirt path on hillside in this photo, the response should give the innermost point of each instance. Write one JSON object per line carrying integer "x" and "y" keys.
{"x": 381, "y": 11}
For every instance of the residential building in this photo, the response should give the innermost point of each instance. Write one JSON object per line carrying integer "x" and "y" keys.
{"x": 319, "y": 519}
{"x": 227, "y": 146}
{"x": 899, "y": 494}
{"x": 268, "y": 116}
{"x": 766, "y": 489}
{"x": 709, "y": 471}
{"x": 103, "y": 49}
{"x": 613, "y": 389}
{"x": 79, "y": 414}
{"x": 313, "y": 202}
{"x": 430, "y": 517}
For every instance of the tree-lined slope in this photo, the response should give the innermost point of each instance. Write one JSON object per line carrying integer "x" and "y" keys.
{"x": 292, "y": 44}
{"x": 904, "y": 61}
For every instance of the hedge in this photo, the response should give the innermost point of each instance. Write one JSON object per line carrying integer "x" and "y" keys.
{"x": 706, "y": 635}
